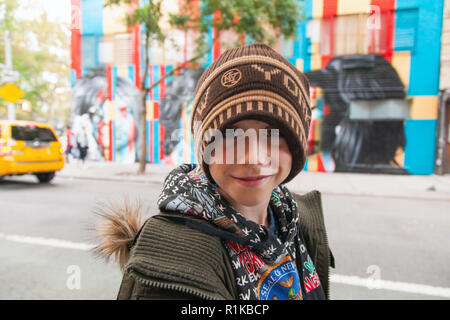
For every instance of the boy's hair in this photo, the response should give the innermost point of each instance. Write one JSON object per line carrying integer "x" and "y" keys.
{"x": 253, "y": 82}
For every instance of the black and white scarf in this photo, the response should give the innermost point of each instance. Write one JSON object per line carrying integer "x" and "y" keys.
{"x": 264, "y": 264}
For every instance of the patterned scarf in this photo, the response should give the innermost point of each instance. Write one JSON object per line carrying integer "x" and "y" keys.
{"x": 264, "y": 264}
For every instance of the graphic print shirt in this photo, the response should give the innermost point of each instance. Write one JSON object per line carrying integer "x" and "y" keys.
{"x": 310, "y": 283}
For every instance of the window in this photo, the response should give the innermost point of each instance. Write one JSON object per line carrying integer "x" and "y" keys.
{"x": 30, "y": 133}
{"x": 377, "y": 37}
{"x": 406, "y": 29}
{"x": 122, "y": 49}
{"x": 105, "y": 52}
{"x": 341, "y": 35}
{"x": 357, "y": 33}
{"x": 350, "y": 34}
{"x": 325, "y": 36}
{"x": 90, "y": 51}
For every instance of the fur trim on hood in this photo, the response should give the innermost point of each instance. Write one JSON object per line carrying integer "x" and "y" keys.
{"x": 118, "y": 230}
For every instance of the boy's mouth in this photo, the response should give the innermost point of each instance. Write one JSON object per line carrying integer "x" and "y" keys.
{"x": 252, "y": 181}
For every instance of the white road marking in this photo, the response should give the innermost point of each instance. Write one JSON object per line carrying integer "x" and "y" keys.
{"x": 47, "y": 242}
{"x": 391, "y": 285}
{"x": 335, "y": 278}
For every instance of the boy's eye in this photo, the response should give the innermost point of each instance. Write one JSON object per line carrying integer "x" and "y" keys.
{"x": 273, "y": 132}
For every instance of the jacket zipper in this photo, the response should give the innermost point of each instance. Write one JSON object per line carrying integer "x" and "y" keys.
{"x": 328, "y": 253}
{"x": 328, "y": 267}
{"x": 171, "y": 286}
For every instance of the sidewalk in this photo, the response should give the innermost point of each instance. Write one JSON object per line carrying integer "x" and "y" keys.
{"x": 431, "y": 187}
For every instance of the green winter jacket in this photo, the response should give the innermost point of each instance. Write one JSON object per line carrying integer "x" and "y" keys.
{"x": 173, "y": 261}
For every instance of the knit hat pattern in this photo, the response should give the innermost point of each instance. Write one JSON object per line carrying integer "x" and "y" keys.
{"x": 253, "y": 82}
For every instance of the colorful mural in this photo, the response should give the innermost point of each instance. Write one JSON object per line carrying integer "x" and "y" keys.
{"x": 91, "y": 107}
{"x": 107, "y": 65}
{"x": 373, "y": 66}
{"x": 371, "y": 133}
{"x": 357, "y": 132}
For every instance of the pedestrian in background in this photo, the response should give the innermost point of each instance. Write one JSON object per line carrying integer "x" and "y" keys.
{"x": 232, "y": 230}
{"x": 82, "y": 144}
{"x": 70, "y": 140}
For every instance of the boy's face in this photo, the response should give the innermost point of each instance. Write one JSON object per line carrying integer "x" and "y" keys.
{"x": 256, "y": 169}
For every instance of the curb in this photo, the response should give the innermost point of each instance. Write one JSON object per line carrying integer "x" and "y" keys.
{"x": 123, "y": 177}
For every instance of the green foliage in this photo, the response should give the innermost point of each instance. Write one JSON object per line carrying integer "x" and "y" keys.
{"x": 259, "y": 20}
{"x": 148, "y": 15}
{"x": 41, "y": 55}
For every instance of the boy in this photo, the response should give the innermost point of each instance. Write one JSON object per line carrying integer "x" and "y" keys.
{"x": 228, "y": 228}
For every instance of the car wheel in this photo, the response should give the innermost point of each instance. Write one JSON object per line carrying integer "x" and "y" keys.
{"x": 45, "y": 177}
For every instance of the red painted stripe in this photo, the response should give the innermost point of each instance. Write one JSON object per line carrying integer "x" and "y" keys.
{"x": 387, "y": 7}
{"x": 329, "y": 12}
{"x": 390, "y": 36}
{"x": 216, "y": 44}
{"x": 312, "y": 131}
{"x": 76, "y": 37}
{"x": 320, "y": 165}
{"x": 136, "y": 58}
{"x": 329, "y": 8}
{"x": 131, "y": 136}
{"x": 156, "y": 110}
{"x": 110, "y": 147}
{"x": 326, "y": 110}
{"x": 150, "y": 139}
{"x": 161, "y": 139}
{"x": 109, "y": 82}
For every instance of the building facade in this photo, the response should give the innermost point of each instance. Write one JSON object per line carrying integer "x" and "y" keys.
{"x": 374, "y": 67}
{"x": 360, "y": 56}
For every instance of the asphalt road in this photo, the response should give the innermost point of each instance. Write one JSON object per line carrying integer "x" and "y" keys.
{"x": 402, "y": 242}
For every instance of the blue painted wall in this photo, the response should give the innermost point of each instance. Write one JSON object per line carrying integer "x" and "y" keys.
{"x": 301, "y": 44}
{"x": 420, "y": 146}
{"x": 425, "y": 58}
{"x": 92, "y": 31}
{"x": 92, "y": 17}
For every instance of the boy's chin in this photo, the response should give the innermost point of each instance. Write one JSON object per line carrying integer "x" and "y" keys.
{"x": 251, "y": 199}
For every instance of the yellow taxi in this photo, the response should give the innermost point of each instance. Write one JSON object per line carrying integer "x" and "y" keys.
{"x": 28, "y": 147}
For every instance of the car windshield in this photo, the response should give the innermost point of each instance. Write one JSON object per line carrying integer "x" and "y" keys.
{"x": 31, "y": 133}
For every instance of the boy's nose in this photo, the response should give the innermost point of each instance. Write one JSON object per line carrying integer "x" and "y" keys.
{"x": 257, "y": 153}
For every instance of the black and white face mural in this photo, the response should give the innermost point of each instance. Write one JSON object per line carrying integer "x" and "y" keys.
{"x": 89, "y": 108}
{"x": 178, "y": 93}
{"x": 363, "y": 128}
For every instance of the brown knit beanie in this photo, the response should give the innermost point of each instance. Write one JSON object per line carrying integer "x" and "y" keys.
{"x": 253, "y": 82}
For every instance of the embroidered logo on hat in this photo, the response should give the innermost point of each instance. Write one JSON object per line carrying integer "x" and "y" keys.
{"x": 231, "y": 78}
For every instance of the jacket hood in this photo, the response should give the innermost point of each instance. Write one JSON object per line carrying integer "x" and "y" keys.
{"x": 120, "y": 223}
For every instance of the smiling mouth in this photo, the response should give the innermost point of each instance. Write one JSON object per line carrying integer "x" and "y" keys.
{"x": 252, "y": 178}
{"x": 252, "y": 181}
